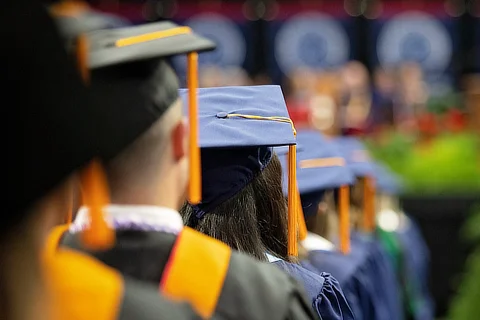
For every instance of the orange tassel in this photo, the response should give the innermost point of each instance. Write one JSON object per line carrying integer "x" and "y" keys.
{"x": 344, "y": 225}
{"x": 302, "y": 226}
{"x": 195, "y": 184}
{"x": 369, "y": 205}
{"x": 292, "y": 201}
{"x": 99, "y": 236}
{"x": 82, "y": 58}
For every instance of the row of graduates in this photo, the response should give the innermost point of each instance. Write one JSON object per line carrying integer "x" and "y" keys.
{"x": 132, "y": 256}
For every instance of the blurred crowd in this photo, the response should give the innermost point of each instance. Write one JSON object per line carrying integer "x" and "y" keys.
{"x": 349, "y": 100}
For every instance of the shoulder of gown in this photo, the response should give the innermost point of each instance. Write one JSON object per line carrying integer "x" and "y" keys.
{"x": 258, "y": 290}
{"x": 326, "y": 295}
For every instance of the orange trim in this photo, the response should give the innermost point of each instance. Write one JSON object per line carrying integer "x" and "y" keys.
{"x": 53, "y": 239}
{"x": 292, "y": 202}
{"x": 196, "y": 271}
{"x": 152, "y": 36}
{"x": 322, "y": 162}
{"x": 195, "y": 183}
{"x": 344, "y": 225}
{"x": 302, "y": 226}
{"x": 82, "y": 288}
{"x": 368, "y": 204}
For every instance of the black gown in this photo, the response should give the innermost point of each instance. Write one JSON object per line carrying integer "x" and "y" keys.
{"x": 251, "y": 289}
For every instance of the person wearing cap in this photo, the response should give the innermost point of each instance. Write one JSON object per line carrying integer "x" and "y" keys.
{"x": 383, "y": 276}
{"x": 148, "y": 180}
{"x": 324, "y": 180}
{"x": 243, "y": 204}
{"x": 57, "y": 127}
{"x": 404, "y": 243}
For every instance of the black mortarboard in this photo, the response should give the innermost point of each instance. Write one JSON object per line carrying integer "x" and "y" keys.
{"x": 135, "y": 85}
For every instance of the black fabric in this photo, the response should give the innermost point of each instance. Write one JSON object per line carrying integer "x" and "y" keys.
{"x": 133, "y": 252}
{"x": 134, "y": 94}
{"x": 141, "y": 301}
{"x": 52, "y": 121}
{"x": 258, "y": 290}
{"x": 252, "y": 289}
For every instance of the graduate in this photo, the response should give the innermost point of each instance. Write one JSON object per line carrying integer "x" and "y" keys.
{"x": 383, "y": 275}
{"x": 404, "y": 242}
{"x": 148, "y": 181}
{"x": 57, "y": 130}
{"x": 243, "y": 203}
{"x": 323, "y": 183}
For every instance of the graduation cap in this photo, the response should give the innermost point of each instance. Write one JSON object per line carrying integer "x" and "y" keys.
{"x": 129, "y": 74}
{"x": 386, "y": 181}
{"x": 238, "y": 128}
{"x": 359, "y": 161}
{"x": 56, "y": 124}
{"x": 321, "y": 166}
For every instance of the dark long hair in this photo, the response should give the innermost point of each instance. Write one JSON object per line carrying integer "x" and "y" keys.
{"x": 233, "y": 222}
{"x": 254, "y": 221}
{"x": 272, "y": 209}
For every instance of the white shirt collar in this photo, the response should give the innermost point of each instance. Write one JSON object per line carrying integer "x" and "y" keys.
{"x": 316, "y": 242}
{"x": 139, "y": 217}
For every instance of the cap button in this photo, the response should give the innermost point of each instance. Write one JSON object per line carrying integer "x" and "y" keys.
{"x": 222, "y": 115}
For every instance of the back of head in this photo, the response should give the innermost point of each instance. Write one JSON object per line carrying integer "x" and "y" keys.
{"x": 234, "y": 221}
{"x": 272, "y": 208}
{"x": 149, "y": 161}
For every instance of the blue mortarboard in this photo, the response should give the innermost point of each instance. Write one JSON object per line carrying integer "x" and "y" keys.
{"x": 386, "y": 181}
{"x": 238, "y": 128}
{"x": 358, "y": 159}
{"x": 320, "y": 166}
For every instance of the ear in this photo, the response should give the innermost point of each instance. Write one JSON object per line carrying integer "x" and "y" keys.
{"x": 179, "y": 140}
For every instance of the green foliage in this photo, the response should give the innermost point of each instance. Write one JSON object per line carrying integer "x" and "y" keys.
{"x": 443, "y": 103}
{"x": 449, "y": 164}
{"x": 466, "y": 305}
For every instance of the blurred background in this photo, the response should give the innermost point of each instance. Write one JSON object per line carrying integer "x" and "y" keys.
{"x": 402, "y": 75}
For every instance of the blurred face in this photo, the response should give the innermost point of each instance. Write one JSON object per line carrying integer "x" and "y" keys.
{"x": 322, "y": 112}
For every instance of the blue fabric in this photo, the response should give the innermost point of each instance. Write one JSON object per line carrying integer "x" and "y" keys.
{"x": 356, "y": 155}
{"x": 354, "y": 274}
{"x": 235, "y": 150}
{"x": 312, "y": 145}
{"x": 416, "y": 264}
{"x": 324, "y": 290}
{"x": 386, "y": 181}
{"x": 225, "y": 172}
{"x": 384, "y": 277}
{"x": 219, "y": 131}
{"x": 310, "y": 202}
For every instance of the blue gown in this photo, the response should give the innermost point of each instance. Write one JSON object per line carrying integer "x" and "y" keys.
{"x": 416, "y": 262}
{"x": 354, "y": 274}
{"x": 324, "y": 290}
{"x": 383, "y": 275}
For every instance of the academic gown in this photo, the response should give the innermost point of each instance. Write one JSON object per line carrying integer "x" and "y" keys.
{"x": 83, "y": 288}
{"x": 383, "y": 275}
{"x": 415, "y": 267}
{"x": 324, "y": 291}
{"x": 354, "y": 274}
{"x": 251, "y": 290}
